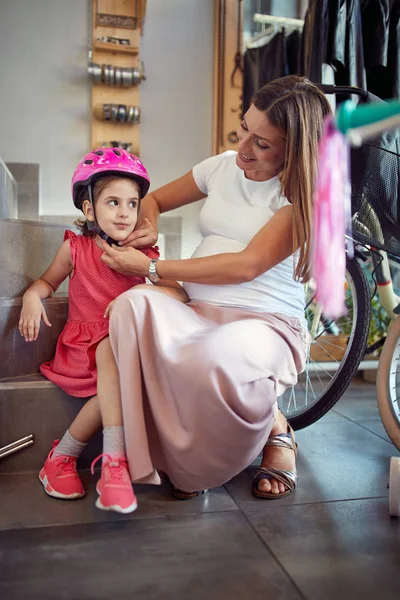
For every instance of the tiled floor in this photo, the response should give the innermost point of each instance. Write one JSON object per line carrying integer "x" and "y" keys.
{"x": 333, "y": 539}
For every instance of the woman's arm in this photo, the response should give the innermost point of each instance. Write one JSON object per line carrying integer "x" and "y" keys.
{"x": 269, "y": 247}
{"x": 178, "y": 193}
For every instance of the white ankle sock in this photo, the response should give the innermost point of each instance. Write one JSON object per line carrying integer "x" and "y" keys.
{"x": 69, "y": 446}
{"x": 114, "y": 441}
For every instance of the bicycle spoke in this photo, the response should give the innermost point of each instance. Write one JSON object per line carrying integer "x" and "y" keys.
{"x": 319, "y": 375}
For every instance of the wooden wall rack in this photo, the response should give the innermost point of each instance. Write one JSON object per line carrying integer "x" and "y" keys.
{"x": 119, "y": 55}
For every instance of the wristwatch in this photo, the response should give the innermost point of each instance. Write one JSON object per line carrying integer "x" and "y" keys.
{"x": 153, "y": 275}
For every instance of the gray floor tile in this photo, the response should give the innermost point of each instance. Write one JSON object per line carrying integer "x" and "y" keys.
{"x": 332, "y": 416}
{"x": 337, "y": 550}
{"x": 201, "y": 557}
{"x": 375, "y": 427}
{"x": 359, "y": 403}
{"x": 336, "y": 461}
{"x": 24, "y": 504}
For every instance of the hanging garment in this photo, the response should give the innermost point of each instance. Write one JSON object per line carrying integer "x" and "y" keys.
{"x": 375, "y": 29}
{"x": 262, "y": 65}
{"x": 333, "y": 35}
{"x": 293, "y": 50}
{"x": 315, "y": 40}
{"x": 394, "y": 51}
{"x": 353, "y": 71}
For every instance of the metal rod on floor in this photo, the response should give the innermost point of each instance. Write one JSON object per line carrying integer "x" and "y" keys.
{"x": 15, "y": 446}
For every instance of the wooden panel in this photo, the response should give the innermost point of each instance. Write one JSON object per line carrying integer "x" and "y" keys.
{"x": 116, "y": 7}
{"x": 227, "y": 93}
{"x": 103, "y": 132}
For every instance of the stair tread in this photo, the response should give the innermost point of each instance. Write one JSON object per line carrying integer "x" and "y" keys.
{"x": 32, "y": 380}
{"x": 60, "y": 298}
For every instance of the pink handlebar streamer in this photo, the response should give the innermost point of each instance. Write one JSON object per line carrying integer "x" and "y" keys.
{"x": 331, "y": 218}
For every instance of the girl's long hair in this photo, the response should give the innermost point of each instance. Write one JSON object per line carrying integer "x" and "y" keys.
{"x": 297, "y": 107}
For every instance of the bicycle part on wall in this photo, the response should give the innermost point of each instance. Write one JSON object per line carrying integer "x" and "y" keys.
{"x": 118, "y": 113}
{"x": 113, "y": 75}
{"x": 228, "y": 76}
{"x": 115, "y": 71}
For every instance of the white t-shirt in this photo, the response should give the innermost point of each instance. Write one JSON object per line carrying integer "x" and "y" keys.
{"x": 236, "y": 208}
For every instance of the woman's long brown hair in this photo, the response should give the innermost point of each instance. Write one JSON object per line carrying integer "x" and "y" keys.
{"x": 297, "y": 107}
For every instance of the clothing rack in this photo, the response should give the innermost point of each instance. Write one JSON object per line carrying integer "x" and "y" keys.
{"x": 271, "y": 20}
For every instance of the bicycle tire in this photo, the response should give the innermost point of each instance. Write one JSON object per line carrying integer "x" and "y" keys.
{"x": 353, "y": 356}
{"x": 384, "y": 382}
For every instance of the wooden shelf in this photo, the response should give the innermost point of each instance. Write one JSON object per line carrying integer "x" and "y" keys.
{"x": 115, "y": 48}
{"x": 125, "y": 56}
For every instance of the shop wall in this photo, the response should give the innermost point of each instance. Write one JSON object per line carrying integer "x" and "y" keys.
{"x": 44, "y": 104}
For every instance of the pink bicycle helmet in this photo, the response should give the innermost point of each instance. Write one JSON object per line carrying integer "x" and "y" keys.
{"x": 108, "y": 161}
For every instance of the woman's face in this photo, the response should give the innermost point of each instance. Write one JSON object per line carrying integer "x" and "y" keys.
{"x": 261, "y": 151}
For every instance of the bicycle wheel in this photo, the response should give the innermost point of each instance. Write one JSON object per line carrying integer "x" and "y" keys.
{"x": 388, "y": 383}
{"x": 337, "y": 347}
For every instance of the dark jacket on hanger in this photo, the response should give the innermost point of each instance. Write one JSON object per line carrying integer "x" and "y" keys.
{"x": 333, "y": 35}
{"x": 277, "y": 58}
{"x": 262, "y": 65}
{"x": 394, "y": 51}
{"x": 375, "y": 16}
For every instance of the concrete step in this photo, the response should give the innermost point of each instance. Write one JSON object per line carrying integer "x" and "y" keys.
{"x": 30, "y": 247}
{"x": 34, "y": 405}
{"x": 18, "y": 357}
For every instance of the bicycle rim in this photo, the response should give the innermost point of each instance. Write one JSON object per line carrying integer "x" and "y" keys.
{"x": 388, "y": 383}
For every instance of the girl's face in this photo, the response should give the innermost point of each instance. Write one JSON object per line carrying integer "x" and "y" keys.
{"x": 116, "y": 208}
{"x": 261, "y": 151}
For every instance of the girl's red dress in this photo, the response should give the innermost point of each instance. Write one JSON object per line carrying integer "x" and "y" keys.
{"x": 92, "y": 286}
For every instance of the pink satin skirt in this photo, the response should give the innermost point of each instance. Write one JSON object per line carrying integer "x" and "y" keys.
{"x": 199, "y": 384}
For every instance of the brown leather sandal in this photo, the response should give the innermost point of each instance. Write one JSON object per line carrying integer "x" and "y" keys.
{"x": 288, "y": 478}
{"x": 181, "y": 495}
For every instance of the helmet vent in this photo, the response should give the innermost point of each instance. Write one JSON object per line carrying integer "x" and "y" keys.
{"x": 88, "y": 162}
{"x": 99, "y": 152}
{"x": 117, "y": 152}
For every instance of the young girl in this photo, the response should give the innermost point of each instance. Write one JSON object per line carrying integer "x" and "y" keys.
{"x": 107, "y": 186}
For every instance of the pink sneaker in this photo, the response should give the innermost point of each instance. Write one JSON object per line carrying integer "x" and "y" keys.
{"x": 59, "y": 476}
{"x": 114, "y": 486}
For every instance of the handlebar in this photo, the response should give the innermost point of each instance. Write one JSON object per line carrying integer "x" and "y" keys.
{"x": 365, "y": 120}
{"x": 342, "y": 89}
{"x": 349, "y": 116}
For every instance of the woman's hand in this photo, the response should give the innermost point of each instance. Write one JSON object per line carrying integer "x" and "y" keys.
{"x": 126, "y": 261}
{"x": 144, "y": 236}
{"x": 31, "y": 314}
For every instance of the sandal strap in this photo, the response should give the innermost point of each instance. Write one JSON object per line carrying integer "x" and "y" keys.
{"x": 288, "y": 478}
{"x": 283, "y": 440}
{"x": 187, "y": 495}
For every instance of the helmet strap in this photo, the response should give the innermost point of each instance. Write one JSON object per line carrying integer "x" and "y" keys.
{"x": 94, "y": 226}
